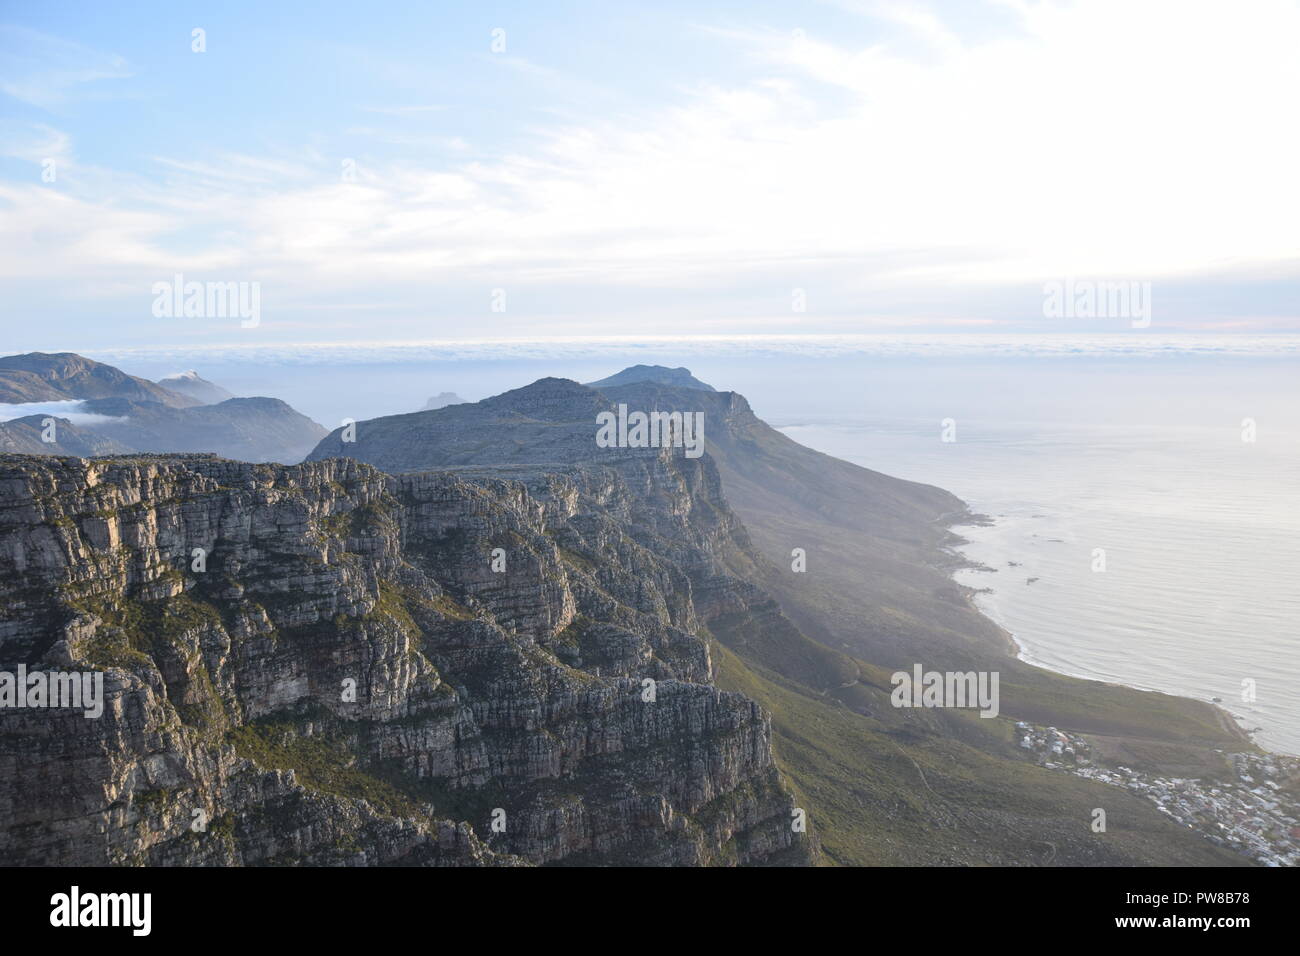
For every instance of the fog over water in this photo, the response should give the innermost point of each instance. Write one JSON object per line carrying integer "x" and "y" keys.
{"x": 1137, "y": 452}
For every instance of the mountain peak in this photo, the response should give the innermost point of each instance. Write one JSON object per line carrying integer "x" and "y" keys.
{"x": 197, "y": 387}
{"x": 660, "y": 374}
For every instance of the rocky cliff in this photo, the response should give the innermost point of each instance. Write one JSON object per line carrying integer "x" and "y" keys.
{"x": 326, "y": 664}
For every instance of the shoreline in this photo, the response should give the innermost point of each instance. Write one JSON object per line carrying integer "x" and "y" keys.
{"x": 962, "y": 562}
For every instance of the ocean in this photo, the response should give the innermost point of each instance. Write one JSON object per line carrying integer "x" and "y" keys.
{"x": 1144, "y": 545}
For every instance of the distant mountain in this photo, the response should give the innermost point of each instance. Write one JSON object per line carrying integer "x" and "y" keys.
{"x": 46, "y": 377}
{"x": 551, "y": 421}
{"x": 195, "y": 386}
{"x": 659, "y": 374}
{"x": 246, "y": 429}
{"x": 442, "y": 400}
{"x": 22, "y": 436}
{"x": 182, "y": 413}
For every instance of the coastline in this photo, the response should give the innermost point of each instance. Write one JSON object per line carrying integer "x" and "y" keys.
{"x": 1250, "y": 806}
{"x": 958, "y": 561}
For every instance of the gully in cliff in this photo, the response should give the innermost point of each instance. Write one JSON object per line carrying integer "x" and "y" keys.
{"x": 651, "y": 430}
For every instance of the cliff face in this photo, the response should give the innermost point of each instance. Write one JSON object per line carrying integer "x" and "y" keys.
{"x": 352, "y": 678}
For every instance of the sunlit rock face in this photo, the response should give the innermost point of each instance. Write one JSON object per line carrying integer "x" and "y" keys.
{"x": 326, "y": 664}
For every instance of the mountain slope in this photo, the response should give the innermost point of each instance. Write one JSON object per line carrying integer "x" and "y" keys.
{"x": 45, "y": 377}
{"x": 139, "y": 415}
{"x": 854, "y": 760}
{"x": 247, "y": 429}
{"x": 23, "y": 436}
{"x": 877, "y": 585}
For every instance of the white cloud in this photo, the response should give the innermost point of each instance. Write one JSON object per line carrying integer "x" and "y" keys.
{"x": 626, "y": 348}
{"x": 34, "y": 142}
{"x": 65, "y": 409}
{"x": 1103, "y": 138}
{"x": 46, "y": 71}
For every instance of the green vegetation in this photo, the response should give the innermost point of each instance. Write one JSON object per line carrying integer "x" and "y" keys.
{"x": 324, "y": 762}
{"x": 392, "y": 605}
{"x": 449, "y": 607}
{"x": 575, "y": 560}
{"x": 891, "y": 788}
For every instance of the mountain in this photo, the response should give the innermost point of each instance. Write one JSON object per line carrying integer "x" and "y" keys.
{"x": 45, "y": 377}
{"x": 196, "y": 387}
{"x": 511, "y": 645}
{"x": 140, "y": 415}
{"x": 443, "y": 399}
{"x": 659, "y": 374}
{"x": 348, "y": 680}
{"x": 884, "y": 785}
{"x": 552, "y": 420}
{"x": 248, "y": 429}
{"x": 23, "y": 436}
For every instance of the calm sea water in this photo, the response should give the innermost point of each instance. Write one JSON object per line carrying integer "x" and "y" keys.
{"x": 1199, "y": 531}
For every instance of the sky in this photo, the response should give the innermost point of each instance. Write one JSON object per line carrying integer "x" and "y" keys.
{"x": 404, "y": 172}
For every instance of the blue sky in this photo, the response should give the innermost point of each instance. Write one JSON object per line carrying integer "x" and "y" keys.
{"x": 617, "y": 169}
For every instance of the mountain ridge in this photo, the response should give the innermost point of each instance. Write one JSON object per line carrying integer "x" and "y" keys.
{"x": 660, "y": 374}
{"x": 143, "y": 416}
{"x": 827, "y": 652}
{"x": 54, "y": 376}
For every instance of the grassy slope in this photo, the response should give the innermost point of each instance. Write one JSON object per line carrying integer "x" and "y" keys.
{"x": 878, "y": 587}
{"x": 899, "y": 788}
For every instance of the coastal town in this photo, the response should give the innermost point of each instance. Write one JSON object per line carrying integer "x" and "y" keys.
{"x": 1257, "y": 813}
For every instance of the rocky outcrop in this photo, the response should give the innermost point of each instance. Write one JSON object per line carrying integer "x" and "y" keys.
{"x": 326, "y": 664}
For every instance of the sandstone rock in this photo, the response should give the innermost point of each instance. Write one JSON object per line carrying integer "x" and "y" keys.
{"x": 514, "y": 696}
